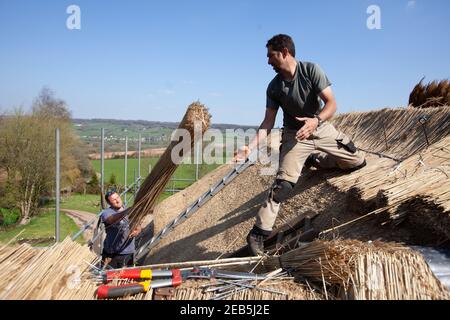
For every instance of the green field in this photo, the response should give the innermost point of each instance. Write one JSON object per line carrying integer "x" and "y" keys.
{"x": 76, "y": 201}
{"x": 42, "y": 226}
{"x": 117, "y": 166}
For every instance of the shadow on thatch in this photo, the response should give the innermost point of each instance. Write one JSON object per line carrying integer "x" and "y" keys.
{"x": 429, "y": 223}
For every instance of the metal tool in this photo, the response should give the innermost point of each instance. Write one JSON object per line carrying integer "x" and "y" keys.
{"x": 175, "y": 278}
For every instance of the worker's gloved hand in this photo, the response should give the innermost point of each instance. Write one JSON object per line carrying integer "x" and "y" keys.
{"x": 135, "y": 232}
{"x": 241, "y": 154}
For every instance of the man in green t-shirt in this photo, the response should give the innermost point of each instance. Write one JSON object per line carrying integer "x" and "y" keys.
{"x": 307, "y": 136}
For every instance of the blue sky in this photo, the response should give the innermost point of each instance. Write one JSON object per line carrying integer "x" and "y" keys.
{"x": 149, "y": 59}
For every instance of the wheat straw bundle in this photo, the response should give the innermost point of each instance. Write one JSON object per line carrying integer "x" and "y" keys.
{"x": 53, "y": 273}
{"x": 431, "y": 95}
{"x": 288, "y": 290}
{"x": 12, "y": 261}
{"x": 154, "y": 184}
{"x": 356, "y": 270}
{"x": 417, "y": 96}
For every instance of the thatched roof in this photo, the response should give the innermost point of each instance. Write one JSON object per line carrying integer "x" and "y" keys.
{"x": 411, "y": 183}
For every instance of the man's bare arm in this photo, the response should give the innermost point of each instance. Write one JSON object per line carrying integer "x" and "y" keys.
{"x": 327, "y": 112}
{"x": 330, "y": 104}
{"x": 117, "y": 217}
{"x": 263, "y": 130}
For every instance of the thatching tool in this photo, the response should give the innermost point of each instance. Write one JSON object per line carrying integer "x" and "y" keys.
{"x": 134, "y": 274}
{"x": 176, "y": 278}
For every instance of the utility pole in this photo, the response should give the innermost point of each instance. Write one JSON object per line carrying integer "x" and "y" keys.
{"x": 134, "y": 184}
{"x": 198, "y": 161}
{"x": 139, "y": 162}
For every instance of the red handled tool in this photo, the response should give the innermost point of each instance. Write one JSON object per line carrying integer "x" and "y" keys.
{"x": 175, "y": 278}
{"x": 135, "y": 274}
{"x": 105, "y": 291}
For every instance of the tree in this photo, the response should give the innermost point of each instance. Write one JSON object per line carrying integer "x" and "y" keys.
{"x": 46, "y": 105}
{"x": 27, "y": 142}
{"x": 93, "y": 184}
{"x": 112, "y": 180}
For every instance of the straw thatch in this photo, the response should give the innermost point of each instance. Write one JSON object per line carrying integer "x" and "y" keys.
{"x": 433, "y": 94}
{"x": 352, "y": 269}
{"x": 196, "y": 115}
{"x": 61, "y": 272}
{"x": 54, "y": 273}
{"x": 424, "y": 177}
{"x": 396, "y": 133}
{"x": 421, "y": 168}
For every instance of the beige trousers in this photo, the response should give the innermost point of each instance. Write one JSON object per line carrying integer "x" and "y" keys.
{"x": 333, "y": 149}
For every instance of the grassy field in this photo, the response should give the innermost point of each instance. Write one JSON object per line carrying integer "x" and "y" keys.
{"x": 117, "y": 166}
{"x": 42, "y": 226}
{"x": 76, "y": 201}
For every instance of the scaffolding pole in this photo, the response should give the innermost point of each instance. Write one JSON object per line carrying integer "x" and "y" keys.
{"x": 139, "y": 160}
{"x": 125, "y": 173}
{"x": 57, "y": 187}
{"x": 102, "y": 162}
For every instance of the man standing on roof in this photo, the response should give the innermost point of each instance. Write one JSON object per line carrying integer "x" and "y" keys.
{"x": 307, "y": 139}
{"x": 119, "y": 245}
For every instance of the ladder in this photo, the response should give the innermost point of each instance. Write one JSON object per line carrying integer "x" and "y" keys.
{"x": 190, "y": 210}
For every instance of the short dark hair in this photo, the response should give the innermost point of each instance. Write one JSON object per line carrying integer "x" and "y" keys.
{"x": 281, "y": 41}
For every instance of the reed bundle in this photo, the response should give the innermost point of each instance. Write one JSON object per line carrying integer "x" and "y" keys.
{"x": 352, "y": 269}
{"x": 430, "y": 95}
{"x": 192, "y": 290}
{"x": 154, "y": 184}
{"x": 53, "y": 273}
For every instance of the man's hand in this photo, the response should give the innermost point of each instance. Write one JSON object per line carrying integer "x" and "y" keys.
{"x": 241, "y": 154}
{"x": 135, "y": 232}
{"x": 307, "y": 129}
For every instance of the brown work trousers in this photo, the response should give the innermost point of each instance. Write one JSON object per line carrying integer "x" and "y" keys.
{"x": 332, "y": 149}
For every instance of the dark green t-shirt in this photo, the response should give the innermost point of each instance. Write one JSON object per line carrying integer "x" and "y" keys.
{"x": 299, "y": 97}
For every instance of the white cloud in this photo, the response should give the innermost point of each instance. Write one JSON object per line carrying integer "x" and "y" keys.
{"x": 411, "y": 4}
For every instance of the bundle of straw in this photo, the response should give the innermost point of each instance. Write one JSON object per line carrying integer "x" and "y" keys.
{"x": 54, "y": 273}
{"x": 196, "y": 115}
{"x": 357, "y": 270}
{"x": 431, "y": 95}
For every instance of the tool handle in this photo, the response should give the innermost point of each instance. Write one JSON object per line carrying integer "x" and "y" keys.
{"x": 105, "y": 292}
{"x": 134, "y": 274}
{"x": 122, "y": 274}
